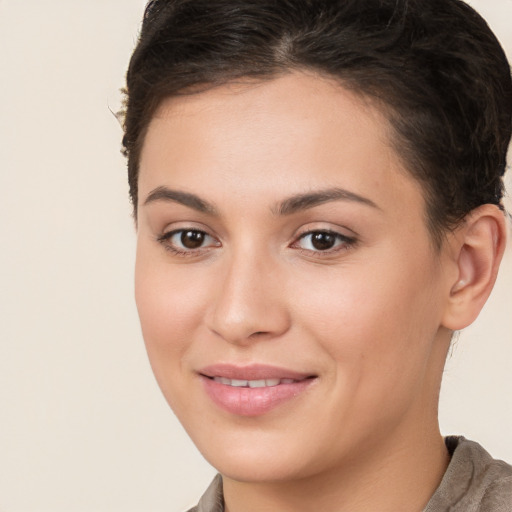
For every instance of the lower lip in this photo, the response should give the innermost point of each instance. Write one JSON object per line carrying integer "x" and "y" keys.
{"x": 244, "y": 401}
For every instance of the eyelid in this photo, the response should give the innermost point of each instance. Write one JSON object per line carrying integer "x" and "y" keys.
{"x": 326, "y": 227}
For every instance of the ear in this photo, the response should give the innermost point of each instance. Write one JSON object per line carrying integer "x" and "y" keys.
{"x": 477, "y": 248}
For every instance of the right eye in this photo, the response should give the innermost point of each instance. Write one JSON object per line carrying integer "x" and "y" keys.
{"x": 186, "y": 241}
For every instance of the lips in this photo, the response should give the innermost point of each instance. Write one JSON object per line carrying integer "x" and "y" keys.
{"x": 252, "y": 390}
{"x": 252, "y": 372}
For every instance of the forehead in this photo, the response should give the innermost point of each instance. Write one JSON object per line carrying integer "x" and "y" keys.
{"x": 282, "y": 136}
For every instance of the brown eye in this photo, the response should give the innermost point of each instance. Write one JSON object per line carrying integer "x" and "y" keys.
{"x": 323, "y": 241}
{"x": 192, "y": 239}
{"x": 187, "y": 241}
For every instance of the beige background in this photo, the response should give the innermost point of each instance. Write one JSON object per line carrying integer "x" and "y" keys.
{"x": 83, "y": 426}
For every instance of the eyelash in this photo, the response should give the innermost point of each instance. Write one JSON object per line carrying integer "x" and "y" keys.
{"x": 343, "y": 243}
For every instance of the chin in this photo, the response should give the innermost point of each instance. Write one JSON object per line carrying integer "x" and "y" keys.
{"x": 259, "y": 469}
{"x": 260, "y": 456}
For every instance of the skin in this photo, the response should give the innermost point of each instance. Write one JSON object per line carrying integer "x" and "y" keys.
{"x": 371, "y": 318}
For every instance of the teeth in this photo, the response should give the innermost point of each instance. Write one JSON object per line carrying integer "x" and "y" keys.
{"x": 262, "y": 383}
{"x": 257, "y": 384}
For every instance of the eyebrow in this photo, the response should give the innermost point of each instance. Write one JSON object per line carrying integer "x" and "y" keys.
{"x": 184, "y": 198}
{"x": 289, "y": 206}
{"x": 311, "y": 199}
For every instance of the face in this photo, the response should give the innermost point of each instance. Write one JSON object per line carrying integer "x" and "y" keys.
{"x": 287, "y": 286}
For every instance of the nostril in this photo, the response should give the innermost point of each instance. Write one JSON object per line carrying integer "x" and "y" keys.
{"x": 256, "y": 334}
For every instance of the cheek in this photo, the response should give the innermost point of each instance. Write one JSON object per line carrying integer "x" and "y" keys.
{"x": 374, "y": 320}
{"x": 170, "y": 305}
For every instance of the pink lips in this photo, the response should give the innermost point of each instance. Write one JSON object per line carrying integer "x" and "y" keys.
{"x": 242, "y": 400}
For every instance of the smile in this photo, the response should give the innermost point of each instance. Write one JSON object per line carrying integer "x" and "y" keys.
{"x": 253, "y": 390}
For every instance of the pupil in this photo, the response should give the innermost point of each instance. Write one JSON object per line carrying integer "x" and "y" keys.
{"x": 192, "y": 239}
{"x": 323, "y": 241}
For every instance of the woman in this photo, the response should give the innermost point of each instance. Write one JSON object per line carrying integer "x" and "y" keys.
{"x": 317, "y": 188}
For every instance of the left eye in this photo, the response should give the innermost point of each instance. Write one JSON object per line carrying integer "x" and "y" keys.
{"x": 322, "y": 241}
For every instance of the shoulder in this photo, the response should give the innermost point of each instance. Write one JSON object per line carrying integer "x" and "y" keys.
{"x": 498, "y": 496}
{"x": 496, "y": 477}
{"x": 473, "y": 482}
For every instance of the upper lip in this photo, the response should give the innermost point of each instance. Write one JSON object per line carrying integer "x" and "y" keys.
{"x": 251, "y": 372}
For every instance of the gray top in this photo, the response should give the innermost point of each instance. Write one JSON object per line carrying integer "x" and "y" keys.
{"x": 473, "y": 482}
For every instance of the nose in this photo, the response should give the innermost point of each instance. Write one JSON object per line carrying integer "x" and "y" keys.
{"x": 249, "y": 302}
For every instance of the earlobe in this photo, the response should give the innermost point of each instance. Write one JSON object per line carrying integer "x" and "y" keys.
{"x": 478, "y": 248}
